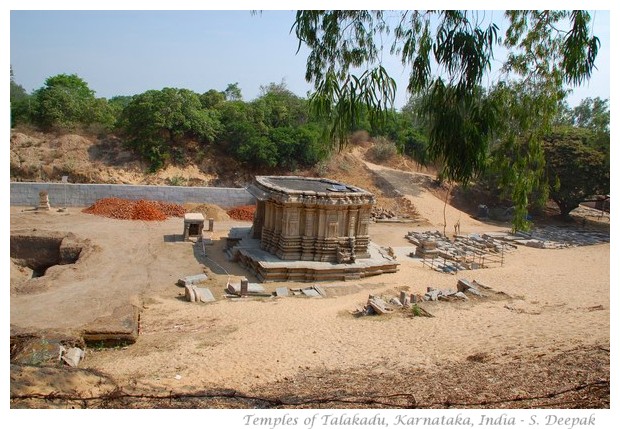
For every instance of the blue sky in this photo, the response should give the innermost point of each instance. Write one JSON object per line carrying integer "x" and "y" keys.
{"x": 129, "y": 52}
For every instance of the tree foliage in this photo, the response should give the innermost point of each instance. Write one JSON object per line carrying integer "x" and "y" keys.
{"x": 156, "y": 120}
{"x": 65, "y": 101}
{"x": 20, "y": 102}
{"x": 575, "y": 169}
{"x": 17, "y": 92}
{"x": 274, "y": 130}
{"x": 547, "y": 50}
{"x": 233, "y": 92}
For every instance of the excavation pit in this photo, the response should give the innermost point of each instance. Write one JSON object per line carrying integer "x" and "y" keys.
{"x": 37, "y": 251}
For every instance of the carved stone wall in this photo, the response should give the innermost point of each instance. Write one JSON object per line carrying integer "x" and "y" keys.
{"x": 312, "y": 219}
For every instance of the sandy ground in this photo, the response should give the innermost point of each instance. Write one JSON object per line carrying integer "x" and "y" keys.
{"x": 556, "y": 301}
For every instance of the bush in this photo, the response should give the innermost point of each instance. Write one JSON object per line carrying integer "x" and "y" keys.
{"x": 383, "y": 151}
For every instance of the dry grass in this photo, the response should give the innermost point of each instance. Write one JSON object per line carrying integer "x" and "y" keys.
{"x": 574, "y": 379}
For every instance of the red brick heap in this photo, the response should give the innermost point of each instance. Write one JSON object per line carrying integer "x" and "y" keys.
{"x": 118, "y": 208}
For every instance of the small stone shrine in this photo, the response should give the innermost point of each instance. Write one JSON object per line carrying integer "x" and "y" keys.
{"x": 311, "y": 219}
{"x": 193, "y": 224}
{"x": 44, "y": 202}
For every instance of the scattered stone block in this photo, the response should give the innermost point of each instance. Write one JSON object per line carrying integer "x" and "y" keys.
{"x": 475, "y": 291}
{"x": 462, "y": 285}
{"x": 190, "y": 293}
{"x": 378, "y": 305}
{"x": 192, "y": 280}
{"x": 311, "y": 292}
{"x": 204, "y": 294}
{"x": 418, "y": 311}
{"x": 460, "y": 295}
{"x": 320, "y": 290}
{"x": 395, "y": 301}
{"x": 282, "y": 291}
{"x": 432, "y": 295}
{"x": 480, "y": 285}
{"x": 73, "y": 356}
{"x": 120, "y": 328}
{"x": 39, "y": 351}
{"x": 253, "y": 288}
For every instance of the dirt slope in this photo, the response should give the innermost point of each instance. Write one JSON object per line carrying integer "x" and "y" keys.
{"x": 36, "y": 156}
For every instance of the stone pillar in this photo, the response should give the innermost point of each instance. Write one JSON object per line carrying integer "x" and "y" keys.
{"x": 44, "y": 203}
{"x": 244, "y": 287}
{"x": 403, "y": 297}
{"x": 308, "y": 240}
{"x": 259, "y": 220}
{"x": 210, "y": 224}
{"x": 352, "y": 223}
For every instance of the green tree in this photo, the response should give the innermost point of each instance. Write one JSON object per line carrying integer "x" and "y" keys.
{"x": 575, "y": 170}
{"x": 64, "y": 102}
{"x": 157, "y": 122}
{"x": 277, "y": 106}
{"x": 20, "y": 103}
{"x": 212, "y": 99}
{"x": 17, "y": 91}
{"x": 233, "y": 92}
{"x": 461, "y": 118}
{"x": 593, "y": 114}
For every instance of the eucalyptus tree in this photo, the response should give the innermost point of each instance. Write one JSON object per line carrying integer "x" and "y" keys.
{"x": 546, "y": 50}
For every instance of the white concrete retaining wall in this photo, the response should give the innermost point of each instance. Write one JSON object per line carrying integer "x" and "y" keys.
{"x": 84, "y": 195}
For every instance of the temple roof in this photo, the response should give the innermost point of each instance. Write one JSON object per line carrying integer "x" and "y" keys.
{"x": 305, "y": 185}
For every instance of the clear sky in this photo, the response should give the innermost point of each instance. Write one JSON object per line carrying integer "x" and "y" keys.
{"x": 125, "y": 52}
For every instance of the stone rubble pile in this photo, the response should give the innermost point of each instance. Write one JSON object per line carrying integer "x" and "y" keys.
{"x": 47, "y": 351}
{"x": 466, "y": 252}
{"x": 553, "y": 237}
{"x": 382, "y": 213}
{"x": 404, "y": 211}
{"x": 388, "y": 305}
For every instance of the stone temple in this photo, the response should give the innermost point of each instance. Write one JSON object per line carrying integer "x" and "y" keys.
{"x": 308, "y": 229}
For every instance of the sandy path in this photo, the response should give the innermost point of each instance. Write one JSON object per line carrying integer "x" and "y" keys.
{"x": 428, "y": 205}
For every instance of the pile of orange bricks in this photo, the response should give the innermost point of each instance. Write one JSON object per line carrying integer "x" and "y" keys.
{"x": 242, "y": 213}
{"x": 118, "y": 208}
